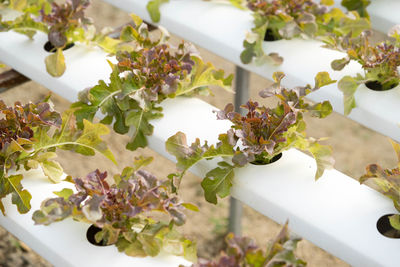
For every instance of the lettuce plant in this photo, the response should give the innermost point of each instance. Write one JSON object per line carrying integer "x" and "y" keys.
{"x": 258, "y": 137}
{"x": 63, "y": 23}
{"x": 388, "y": 181}
{"x": 282, "y": 19}
{"x": 124, "y": 210}
{"x": 287, "y": 19}
{"x": 141, "y": 80}
{"x": 29, "y": 136}
{"x": 380, "y": 63}
{"x": 243, "y": 251}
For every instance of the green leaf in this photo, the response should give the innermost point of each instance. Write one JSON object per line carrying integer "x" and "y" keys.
{"x": 253, "y": 44}
{"x": 218, "y": 182}
{"x": 128, "y": 33}
{"x": 339, "y": 64}
{"x": 348, "y": 85}
{"x": 153, "y": 7}
{"x": 191, "y": 207}
{"x": 26, "y": 25}
{"x": 396, "y": 148}
{"x": 136, "y": 19}
{"x": 189, "y": 250}
{"x": 141, "y": 161}
{"x": 327, "y": 2}
{"x": 150, "y": 245}
{"x": 320, "y": 110}
{"x": 323, "y": 79}
{"x": 108, "y": 44}
{"x": 18, "y": 4}
{"x": 86, "y": 141}
{"x": 323, "y": 157}
{"x": 133, "y": 249}
{"x": 52, "y": 210}
{"x": 187, "y": 156}
{"x": 65, "y": 193}
{"x": 139, "y": 120}
{"x": 55, "y": 63}
{"x": 202, "y": 76}
{"x": 354, "y": 27}
{"x": 247, "y": 55}
{"x": 395, "y": 221}
{"x": 358, "y": 5}
{"x": 19, "y": 197}
{"x": 53, "y": 170}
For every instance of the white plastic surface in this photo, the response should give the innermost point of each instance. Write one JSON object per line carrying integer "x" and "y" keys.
{"x": 64, "y": 244}
{"x": 384, "y": 14}
{"x": 222, "y": 28}
{"x": 336, "y": 212}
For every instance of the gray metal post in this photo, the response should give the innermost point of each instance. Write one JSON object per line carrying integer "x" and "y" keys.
{"x": 242, "y": 82}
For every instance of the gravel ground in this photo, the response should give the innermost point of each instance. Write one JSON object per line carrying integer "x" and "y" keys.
{"x": 354, "y": 147}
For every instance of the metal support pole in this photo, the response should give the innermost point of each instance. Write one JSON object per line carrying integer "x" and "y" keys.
{"x": 242, "y": 82}
{"x": 10, "y": 79}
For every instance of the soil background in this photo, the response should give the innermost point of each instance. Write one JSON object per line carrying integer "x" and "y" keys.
{"x": 354, "y": 147}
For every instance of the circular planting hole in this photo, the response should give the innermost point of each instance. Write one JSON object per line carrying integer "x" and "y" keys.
{"x": 260, "y": 162}
{"x": 384, "y": 227}
{"x": 270, "y": 37}
{"x": 90, "y": 234}
{"x": 377, "y": 86}
{"x": 49, "y": 47}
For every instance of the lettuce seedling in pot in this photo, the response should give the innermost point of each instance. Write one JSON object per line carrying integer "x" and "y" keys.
{"x": 125, "y": 212}
{"x": 258, "y": 137}
{"x": 275, "y": 20}
{"x": 288, "y": 19}
{"x": 380, "y": 63}
{"x": 141, "y": 79}
{"x": 29, "y": 137}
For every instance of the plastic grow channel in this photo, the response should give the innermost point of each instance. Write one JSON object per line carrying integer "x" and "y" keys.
{"x": 335, "y": 213}
{"x": 384, "y": 14}
{"x": 221, "y": 29}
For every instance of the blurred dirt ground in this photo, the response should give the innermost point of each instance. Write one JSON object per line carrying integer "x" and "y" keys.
{"x": 354, "y": 147}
